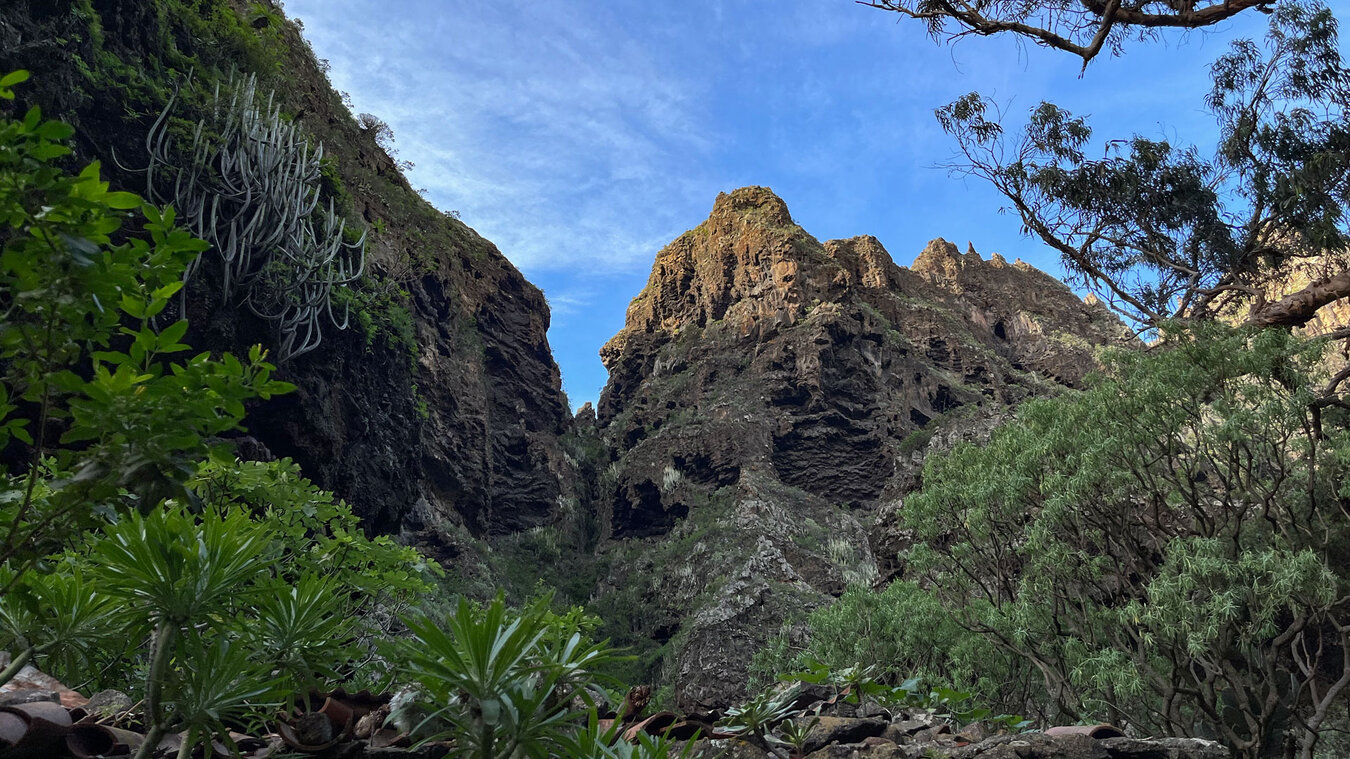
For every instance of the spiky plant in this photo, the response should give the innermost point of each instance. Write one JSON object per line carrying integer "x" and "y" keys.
{"x": 248, "y": 183}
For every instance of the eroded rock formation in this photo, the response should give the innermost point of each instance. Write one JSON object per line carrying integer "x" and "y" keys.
{"x": 768, "y": 396}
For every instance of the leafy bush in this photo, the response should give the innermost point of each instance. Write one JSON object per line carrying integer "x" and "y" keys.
{"x": 500, "y": 681}
{"x": 380, "y": 308}
{"x": 266, "y": 604}
{"x": 85, "y": 366}
{"x": 135, "y": 542}
{"x": 902, "y": 632}
{"x": 1166, "y": 549}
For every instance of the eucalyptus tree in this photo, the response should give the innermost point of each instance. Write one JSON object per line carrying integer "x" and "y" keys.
{"x": 1165, "y": 232}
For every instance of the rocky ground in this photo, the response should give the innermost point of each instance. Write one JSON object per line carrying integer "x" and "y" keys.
{"x": 42, "y": 719}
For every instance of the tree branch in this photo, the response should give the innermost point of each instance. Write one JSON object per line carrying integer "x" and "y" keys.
{"x": 1297, "y": 309}
{"x": 1102, "y": 17}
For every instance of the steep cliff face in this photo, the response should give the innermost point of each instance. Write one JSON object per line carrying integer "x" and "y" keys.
{"x": 768, "y": 396}
{"x": 438, "y": 413}
{"x": 833, "y": 352}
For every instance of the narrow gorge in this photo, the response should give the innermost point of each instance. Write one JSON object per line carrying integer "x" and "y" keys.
{"x": 775, "y": 406}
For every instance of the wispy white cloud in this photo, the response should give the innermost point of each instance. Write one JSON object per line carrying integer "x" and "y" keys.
{"x": 549, "y": 127}
{"x": 582, "y": 135}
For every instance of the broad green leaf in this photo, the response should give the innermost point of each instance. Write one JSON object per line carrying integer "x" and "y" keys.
{"x": 123, "y": 200}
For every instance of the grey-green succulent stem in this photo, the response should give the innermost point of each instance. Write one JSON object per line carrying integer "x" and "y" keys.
{"x": 185, "y": 750}
{"x": 16, "y": 665}
{"x": 154, "y": 688}
{"x": 252, "y": 191}
{"x": 20, "y": 661}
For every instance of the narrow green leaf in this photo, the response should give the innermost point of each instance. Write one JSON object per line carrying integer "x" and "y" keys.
{"x": 13, "y": 78}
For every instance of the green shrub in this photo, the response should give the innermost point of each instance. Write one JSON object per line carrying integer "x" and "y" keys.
{"x": 903, "y": 631}
{"x": 503, "y": 683}
{"x": 134, "y": 543}
{"x": 380, "y": 309}
{"x": 120, "y": 418}
{"x": 1168, "y": 548}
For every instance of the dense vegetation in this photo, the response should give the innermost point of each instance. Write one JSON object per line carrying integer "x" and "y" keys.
{"x": 229, "y": 584}
{"x": 1165, "y": 550}
{"x": 1168, "y": 549}
{"x": 122, "y": 70}
{"x": 139, "y": 553}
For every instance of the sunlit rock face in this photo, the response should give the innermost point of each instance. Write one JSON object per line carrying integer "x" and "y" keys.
{"x": 770, "y": 394}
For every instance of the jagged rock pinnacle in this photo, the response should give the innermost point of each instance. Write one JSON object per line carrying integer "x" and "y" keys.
{"x": 751, "y": 200}
{"x": 785, "y": 379}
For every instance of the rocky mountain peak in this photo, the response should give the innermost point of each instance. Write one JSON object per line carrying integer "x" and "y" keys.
{"x": 864, "y": 263}
{"x": 940, "y": 262}
{"x": 1020, "y": 299}
{"x": 751, "y": 272}
{"x": 752, "y": 200}
{"x": 748, "y": 251}
{"x": 942, "y": 258}
{"x": 771, "y": 395}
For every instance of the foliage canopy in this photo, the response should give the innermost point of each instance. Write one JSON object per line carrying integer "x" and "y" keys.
{"x": 1166, "y": 233}
{"x": 1167, "y": 549}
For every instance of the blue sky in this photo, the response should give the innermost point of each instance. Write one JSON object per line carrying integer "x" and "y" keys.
{"x": 583, "y": 135}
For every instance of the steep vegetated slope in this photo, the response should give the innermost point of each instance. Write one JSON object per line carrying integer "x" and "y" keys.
{"x": 438, "y": 412}
{"x": 772, "y": 396}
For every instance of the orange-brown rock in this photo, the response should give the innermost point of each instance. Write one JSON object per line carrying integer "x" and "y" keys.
{"x": 767, "y": 395}
{"x": 814, "y": 360}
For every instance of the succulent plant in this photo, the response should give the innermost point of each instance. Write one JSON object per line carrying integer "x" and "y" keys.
{"x": 248, "y": 183}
